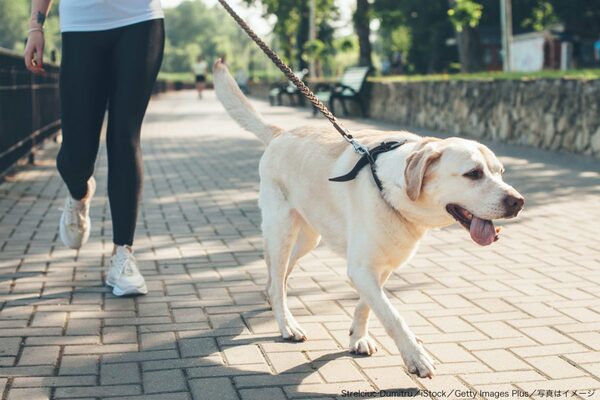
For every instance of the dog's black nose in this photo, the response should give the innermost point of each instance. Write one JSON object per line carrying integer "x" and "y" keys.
{"x": 513, "y": 204}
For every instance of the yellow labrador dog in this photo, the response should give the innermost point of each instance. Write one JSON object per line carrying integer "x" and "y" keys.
{"x": 426, "y": 183}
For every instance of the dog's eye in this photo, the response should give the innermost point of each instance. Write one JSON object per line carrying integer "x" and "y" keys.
{"x": 474, "y": 174}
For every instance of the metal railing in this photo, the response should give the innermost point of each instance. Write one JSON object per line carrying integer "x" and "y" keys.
{"x": 29, "y": 108}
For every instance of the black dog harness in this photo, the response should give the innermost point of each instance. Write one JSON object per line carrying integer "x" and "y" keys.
{"x": 368, "y": 158}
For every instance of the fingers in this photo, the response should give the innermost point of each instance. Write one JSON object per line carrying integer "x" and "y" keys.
{"x": 34, "y": 55}
{"x": 29, "y": 54}
{"x": 29, "y": 58}
{"x": 32, "y": 63}
{"x": 39, "y": 52}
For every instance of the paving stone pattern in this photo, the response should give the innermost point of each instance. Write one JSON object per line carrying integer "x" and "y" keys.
{"x": 521, "y": 314}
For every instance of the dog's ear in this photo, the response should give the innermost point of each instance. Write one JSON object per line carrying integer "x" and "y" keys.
{"x": 416, "y": 168}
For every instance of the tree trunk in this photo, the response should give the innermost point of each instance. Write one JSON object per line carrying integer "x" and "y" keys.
{"x": 362, "y": 21}
{"x": 435, "y": 54}
{"x": 469, "y": 50}
{"x": 303, "y": 32}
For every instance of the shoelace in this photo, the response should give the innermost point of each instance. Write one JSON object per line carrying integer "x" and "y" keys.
{"x": 74, "y": 216}
{"x": 127, "y": 261}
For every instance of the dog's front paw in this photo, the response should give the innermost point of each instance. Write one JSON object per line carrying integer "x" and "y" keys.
{"x": 294, "y": 333}
{"x": 364, "y": 346}
{"x": 417, "y": 361}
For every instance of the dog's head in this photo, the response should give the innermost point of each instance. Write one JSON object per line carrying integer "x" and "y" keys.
{"x": 461, "y": 180}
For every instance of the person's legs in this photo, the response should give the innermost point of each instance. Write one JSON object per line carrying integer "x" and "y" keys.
{"x": 201, "y": 86}
{"x": 135, "y": 62}
{"x": 83, "y": 96}
{"x": 136, "y": 59}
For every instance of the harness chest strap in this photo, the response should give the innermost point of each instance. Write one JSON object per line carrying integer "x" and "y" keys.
{"x": 369, "y": 158}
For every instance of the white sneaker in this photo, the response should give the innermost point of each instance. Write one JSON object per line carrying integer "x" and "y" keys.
{"x": 123, "y": 274}
{"x": 75, "y": 222}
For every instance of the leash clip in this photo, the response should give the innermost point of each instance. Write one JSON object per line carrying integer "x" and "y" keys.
{"x": 359, "y": 148}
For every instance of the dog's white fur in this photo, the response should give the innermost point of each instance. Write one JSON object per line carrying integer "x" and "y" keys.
{"x": 376, "y": 235}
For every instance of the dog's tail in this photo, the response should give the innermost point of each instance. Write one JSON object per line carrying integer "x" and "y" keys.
{"x": 238, "y": 107}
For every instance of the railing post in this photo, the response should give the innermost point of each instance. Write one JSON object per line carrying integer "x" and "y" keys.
{"x": 34, "y": 115}
{"x": 29, "y": 113}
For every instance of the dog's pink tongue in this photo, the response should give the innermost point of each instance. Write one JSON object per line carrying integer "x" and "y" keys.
{"x": 482, "y": 231}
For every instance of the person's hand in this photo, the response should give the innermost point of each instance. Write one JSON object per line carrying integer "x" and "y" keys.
{"x": 34, "y": 52}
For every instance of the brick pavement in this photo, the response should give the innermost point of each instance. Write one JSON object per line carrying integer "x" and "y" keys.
{"x": 521, "y": 314}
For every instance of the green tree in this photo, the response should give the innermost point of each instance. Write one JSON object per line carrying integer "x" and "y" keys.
{"x": 397, "y": 43}
{"x": 465, "y": 16}
{"x": 362, "y": 26}
{"x": 580, "y": 17}
{"x": 291, "y": 28}
{"x": 13, "y": 22}
{"x": 428, "y": 26}
{"x": 542, "y": 17}
{"x": 192, "y": 28}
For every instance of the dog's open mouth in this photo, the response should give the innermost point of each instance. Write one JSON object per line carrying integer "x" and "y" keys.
{"x": 482, "y": 231}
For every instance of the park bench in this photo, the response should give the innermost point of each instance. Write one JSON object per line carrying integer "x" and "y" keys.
{"x": 289, "y": 89}
{"x": 350, "y": 87}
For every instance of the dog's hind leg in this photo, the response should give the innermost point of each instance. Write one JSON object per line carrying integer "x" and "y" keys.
{"x": 280, "y": 227}
{"x": 308, "y": 239}
{"x": 360, "y": 341}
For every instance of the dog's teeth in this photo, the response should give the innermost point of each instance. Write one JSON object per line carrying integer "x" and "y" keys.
{"x": 498, "y": 229}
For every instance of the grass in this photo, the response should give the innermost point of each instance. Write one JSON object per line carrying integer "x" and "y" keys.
{"x": 547, "y": 74}
{"x": 271, "y": 76}
{"x": 186, "y": 77}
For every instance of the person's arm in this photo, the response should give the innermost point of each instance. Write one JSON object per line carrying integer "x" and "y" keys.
{"x": 34, "y": 50}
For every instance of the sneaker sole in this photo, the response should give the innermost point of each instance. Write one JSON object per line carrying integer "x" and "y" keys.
{"x": 117, "y": 291}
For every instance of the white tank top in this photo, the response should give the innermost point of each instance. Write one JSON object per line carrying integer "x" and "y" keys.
{"x": 200, "y": 68}
{"x": 100, "y": 15}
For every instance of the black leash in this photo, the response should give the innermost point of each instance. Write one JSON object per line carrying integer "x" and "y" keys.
{"x": 368, "y": 156}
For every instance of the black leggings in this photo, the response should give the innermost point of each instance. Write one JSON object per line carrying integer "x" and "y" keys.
{"x": 116, "y": 67}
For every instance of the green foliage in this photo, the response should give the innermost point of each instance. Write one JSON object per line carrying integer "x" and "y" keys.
{"x": 191, "y": 29}
{"x": 14, "y": 15}
{"x": 584, "y": 74}
{"x": 465, "y": 13}
{"x": 291, "y": 28}
{"x": 194, "y": 29}
{"x": 342, "y": 53}
{"x": 399, "y": 40}
{"x": 417, "y": 29}
{"x": 581, "y": 17}
{"x": 345, "y": 44}
{"x": 14, "y": 22}
{"x": 542, "y": 16}
{"x": 314, "y": 49}
{"x": 185, "y": 77}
